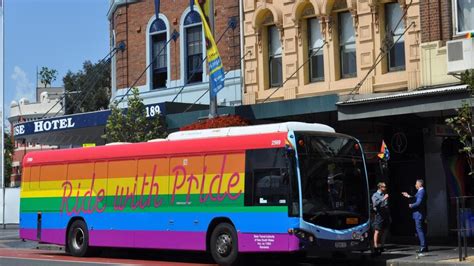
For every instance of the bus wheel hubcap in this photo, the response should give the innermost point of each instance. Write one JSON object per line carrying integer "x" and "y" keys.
{"x": 224, "y": 244}
{"x": 78, "y": 238}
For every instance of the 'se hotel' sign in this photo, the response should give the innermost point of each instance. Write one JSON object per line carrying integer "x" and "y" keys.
{"x": 75, "y": 121}
{"x": 44, "y": 126}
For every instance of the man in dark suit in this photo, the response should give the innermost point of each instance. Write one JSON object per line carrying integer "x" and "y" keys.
{"x": 419, "y": 213}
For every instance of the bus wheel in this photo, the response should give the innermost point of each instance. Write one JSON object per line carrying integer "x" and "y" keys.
{"x": 78, "y": 239}
{"x": 223, "y": 246}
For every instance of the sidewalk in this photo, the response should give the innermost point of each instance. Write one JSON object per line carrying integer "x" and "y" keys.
{"x": 404, "y": 255}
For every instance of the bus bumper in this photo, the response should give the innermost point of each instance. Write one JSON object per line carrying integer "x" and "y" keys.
{"x": 335, "y": 245}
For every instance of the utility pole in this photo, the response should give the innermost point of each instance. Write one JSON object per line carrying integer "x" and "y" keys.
{"x": 213, "y": 97}
{"x": 2, "y": 111}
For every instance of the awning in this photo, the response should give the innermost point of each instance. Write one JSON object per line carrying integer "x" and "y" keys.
{"x": 414, "y": 102}
{"x": 262, "y": 111}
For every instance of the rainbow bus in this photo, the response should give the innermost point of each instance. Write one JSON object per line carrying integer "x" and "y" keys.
{"x": 284, "y": 187}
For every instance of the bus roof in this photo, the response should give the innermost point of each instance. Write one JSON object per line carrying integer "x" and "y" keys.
{"x": 249, "y": 130}
{"x": 209, "y": 140}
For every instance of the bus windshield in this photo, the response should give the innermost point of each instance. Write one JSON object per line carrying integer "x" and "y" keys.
{"x": 333, "y": 180}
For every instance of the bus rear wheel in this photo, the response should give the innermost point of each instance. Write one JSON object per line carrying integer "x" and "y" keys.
{"x": 223, "y": 244}
{"x": 78, "y": 239}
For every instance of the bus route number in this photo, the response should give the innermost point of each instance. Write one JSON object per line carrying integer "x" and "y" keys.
{"x": 153, "y": 110}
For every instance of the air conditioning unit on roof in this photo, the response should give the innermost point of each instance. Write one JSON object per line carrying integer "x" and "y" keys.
{"x": 460, "y": 55}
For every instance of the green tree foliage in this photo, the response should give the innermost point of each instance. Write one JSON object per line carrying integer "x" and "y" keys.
{"x": 47, "y": 76}
{"x": 88, "y": 89}
{"x": 132, "y": 125}
{"x": 7, "y": 157}
{"x": 462, "y": 123}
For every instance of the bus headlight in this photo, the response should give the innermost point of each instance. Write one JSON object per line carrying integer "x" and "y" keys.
{"x": 357, "y": 236}
{"x": 303, "y": 235}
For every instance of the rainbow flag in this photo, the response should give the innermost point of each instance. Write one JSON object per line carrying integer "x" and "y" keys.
{"x": 384, "y": 154}
{"x": 469, "y": 35}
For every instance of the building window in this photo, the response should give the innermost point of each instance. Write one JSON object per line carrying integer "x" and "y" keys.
{"x": 396, "y": 57}
{"x": 274, "y": 56}
{"x": 158, "y": 54}
{"x": 316, "y": 60}
{"x": 464, "y": 16}
{"x": 347, "y": 46}
{"x": 193, "y": 46}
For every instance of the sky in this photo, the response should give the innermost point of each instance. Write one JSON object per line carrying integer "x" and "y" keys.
{"x": 58, "y": 34}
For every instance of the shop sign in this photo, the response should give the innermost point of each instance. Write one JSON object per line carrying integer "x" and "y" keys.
{"x": 76, "y": 121}
{"x": 399, "y": 142}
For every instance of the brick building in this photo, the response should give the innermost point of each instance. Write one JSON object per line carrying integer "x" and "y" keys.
{"x": 178, "y": 65}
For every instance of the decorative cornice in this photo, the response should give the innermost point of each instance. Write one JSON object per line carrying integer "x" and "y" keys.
{"x": 114, "y": 4}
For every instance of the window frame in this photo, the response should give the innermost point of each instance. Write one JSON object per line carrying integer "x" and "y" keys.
{"x": 189, "y": 72}
{"x": 313, "y": 49}
{"x": 165, "y": 55}
{"x": 184, "y": 49}
{"x": 395, "y": 36}
{"x": 456, "y": 32}
{"x": 342, "y": 47}
{"x": 274, "y": 58}
{"x": 149, "y": 51}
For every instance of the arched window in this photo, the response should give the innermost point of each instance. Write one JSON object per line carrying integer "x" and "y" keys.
{"x": 396, "y": 57}
{"x": 193, "y": 47}
{"x": 158, "y": 54}
{"x": 316, "y": 60}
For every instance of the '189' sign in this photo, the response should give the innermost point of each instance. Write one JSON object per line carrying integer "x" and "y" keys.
{"x": 152, "y": 110}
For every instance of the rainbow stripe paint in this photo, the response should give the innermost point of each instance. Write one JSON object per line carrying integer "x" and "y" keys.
{"x": 144, "y": 201}
{"x": 455, "y": 172}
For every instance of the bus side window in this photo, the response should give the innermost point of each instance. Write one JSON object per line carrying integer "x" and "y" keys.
{"x": 100, "y": 174}
{"x": 51, "y": 174}
{"x": 26, "y": 179}
{"x": 271, "y": 187}
{"x": 155, "y": 172}
{"x": 120, "y": 178}
{"x": 267, "y": 179}
{"x": 35, "y": 178}
{"x": 180, "y": 170}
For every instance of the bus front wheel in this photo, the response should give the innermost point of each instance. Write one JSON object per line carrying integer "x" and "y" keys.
{"x": 223, "y": 246}
{"x": 78, "y": 239}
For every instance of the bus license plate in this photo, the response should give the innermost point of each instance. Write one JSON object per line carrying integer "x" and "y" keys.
{"x": 340, "y": 244}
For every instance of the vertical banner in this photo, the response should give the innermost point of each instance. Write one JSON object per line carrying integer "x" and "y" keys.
{"x": 216, "y": 70}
